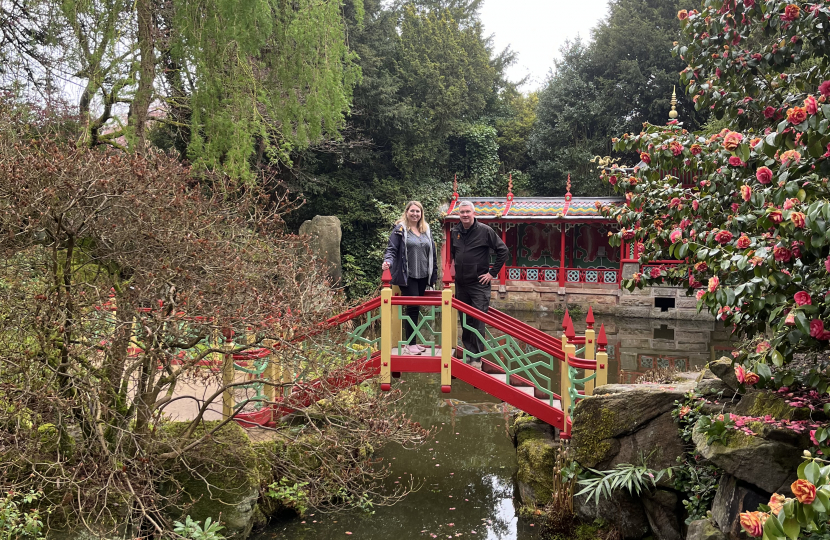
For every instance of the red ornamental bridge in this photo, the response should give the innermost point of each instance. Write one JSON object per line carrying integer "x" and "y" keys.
{"x": 521, "y": 365}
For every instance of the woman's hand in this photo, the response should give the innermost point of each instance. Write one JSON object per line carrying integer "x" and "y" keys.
{"x": 384, "y": 266}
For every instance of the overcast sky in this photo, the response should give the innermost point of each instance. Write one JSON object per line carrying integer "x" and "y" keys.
{"x": 536, "y": 29}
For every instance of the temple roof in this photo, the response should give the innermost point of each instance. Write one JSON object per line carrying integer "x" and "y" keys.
{"x": 543, "y": 208}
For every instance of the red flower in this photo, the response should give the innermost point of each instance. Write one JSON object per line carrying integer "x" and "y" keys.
{"x": 676, "y": 148}
{"x": 702, "y": 266}
{"x": 751, "y": 378}
{"x": 824, "y": 88}
{"x": 782, "y": 254}
{"x": 827, "y": 264}
{"x": 811, "y": 105}
{"x": 735, "y": 161}
{"x": 817, "y": 331}
{"x": 655, "y": 273}
{"x": 613, "y": 180}
{"x": 627, "y": 234}
{"x": 804, "y": 490}
{"x": 769, "y": 112}
{"x": 776, "y": 216}
{"x": 723, "y": 237}
{"x": 695, "y": 205}
{"x": 749, "y": 3}
{"x": 645, "y": 158}
{"x": 802, "y": 298}
{"x": 796, "y": 115}
{"x": 695, "y": 149}
{"x": 764, "y": 175}
{"x": 746, "y": 192}
{"x": 682, "y": 14}
{"x": 743, "y": 242}
{"x": 789, "y": 204}
{"x": 790, "y": 12}
{"x": 798, "y": 219}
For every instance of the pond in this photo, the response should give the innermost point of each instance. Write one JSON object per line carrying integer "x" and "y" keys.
{"x": 466, "y": 474}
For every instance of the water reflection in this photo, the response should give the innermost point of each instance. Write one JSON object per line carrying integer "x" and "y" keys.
{"x": 467, "y": 472}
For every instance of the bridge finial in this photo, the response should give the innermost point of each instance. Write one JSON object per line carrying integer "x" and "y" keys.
{"x": 570, "y": 331}
{"x": 673, "y": 111}
{"x": 602, "y": 339}
{"x": 565, "y": 320}
{"x": 386, "y": 278}
{"x": 589, "y": 320}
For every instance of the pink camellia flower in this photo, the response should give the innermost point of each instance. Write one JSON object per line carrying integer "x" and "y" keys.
{"x": 675, "y": 235}
{"x": 763, "y": 347}
{"x": 682, "y": 14}
{"x": 811, "y": 105}
{"x": 824, "y": 88}
{"x": 776, "y": 503}
{"x": 695, "y": 149}
{"x": 751, "y": 379}
{"x": 769, "y": 112}
{"x": 676, "y": 148}
{"x": 746, "y": 192}
{"x": 782, "y": 254}
{"x": 753, "y": 523}
{"x": 789, "y": 204}
{"x": 802, "y": 298}
{"x": 645, "y": 158}
{"x": 827, "y": 264}
{"x": 790, "y": 12}
{"x": 734, "y": 206}
{"x": 723, "y": 237}
{"x": 735, "y": 161}
{"x": 789, "y": 320}
{"x": 713, "y": 284}
{"x": 699, "y": 294}
{"x": 790, "y": 156}
{"x": 764, "y": 175}
{"x": 702, "y": 267}
{"x": 695, "y": 205}
{"x": 655, "y": 273}
{"x": 743, "y": 242}
{"x": 776, "y": 216}
{"x": 804, "y": 491}
{"x": 740, "y": 373}
{"x": 798, "y": 219}
{"x": 675, "y": 202}
{"x": 817, "y": 330}
{"x": 613, "y": 180}
{"x": 732, "y": 140}
{"x": 627, "y": 234}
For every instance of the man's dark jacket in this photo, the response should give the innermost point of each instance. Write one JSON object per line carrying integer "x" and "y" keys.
{"x": 470, "y": 250}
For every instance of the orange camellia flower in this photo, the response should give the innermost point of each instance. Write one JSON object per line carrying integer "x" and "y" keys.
{"x": 804, "y": 491}
{"x": 695, "y": 149}
{"x": 712, "y": 286}
{"x": 810, "y": 105}
{"x": 732, "y": 140}
{"x": 753, "y": 523}
{"x": 743, "y": 242}
{"x": 776, "y": 503}
{"x": 790, "y": 156}
{"x": 751, "y": 378}
{"x": 796, "y": 115}
{"x": 790, "y": 12}
{"x": 746, "y": 192}
{"x": 682, "y": 14}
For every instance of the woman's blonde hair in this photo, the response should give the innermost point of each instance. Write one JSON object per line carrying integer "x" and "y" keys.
{"x": 422, "y": 224}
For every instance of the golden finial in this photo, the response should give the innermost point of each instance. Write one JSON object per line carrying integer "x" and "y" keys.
{"x": 569, "y": 183}
{"x": 510, "y": 184}
{"x": 673, "y": 111}
{"x": 455, "y": 183}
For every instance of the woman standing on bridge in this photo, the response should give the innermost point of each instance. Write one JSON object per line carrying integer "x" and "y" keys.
{"x": 411, "y": 256}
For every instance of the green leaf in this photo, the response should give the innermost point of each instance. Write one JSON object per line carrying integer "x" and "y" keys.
{"x": 801, "y": 322}
{"x": 791, "y": 527}
{"x": 812, "y": 472}
{"x": 777, "y": 359}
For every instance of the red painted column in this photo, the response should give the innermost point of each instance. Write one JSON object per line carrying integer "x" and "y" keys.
{"x": 562, "y": 254}
{"x": 503, "y": 271}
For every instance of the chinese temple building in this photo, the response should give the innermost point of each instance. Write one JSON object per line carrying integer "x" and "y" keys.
{"x": 560, "y": 256}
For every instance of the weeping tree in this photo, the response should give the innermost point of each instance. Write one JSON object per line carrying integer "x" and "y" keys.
{"x": 122, "y": 280}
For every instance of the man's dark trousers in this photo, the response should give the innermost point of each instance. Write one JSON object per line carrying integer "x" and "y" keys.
{"x": 478, "y": 296}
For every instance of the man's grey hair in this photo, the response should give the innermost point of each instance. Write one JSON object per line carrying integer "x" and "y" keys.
{"x": 467, "y": 203}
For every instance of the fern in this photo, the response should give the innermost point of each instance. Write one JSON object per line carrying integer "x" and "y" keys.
{"x": 633, "y": 478}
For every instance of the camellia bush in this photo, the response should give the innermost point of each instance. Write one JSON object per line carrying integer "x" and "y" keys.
{"x": 751, "y": 233}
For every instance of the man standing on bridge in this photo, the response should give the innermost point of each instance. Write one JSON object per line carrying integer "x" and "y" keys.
{"x": 471, "y": 244}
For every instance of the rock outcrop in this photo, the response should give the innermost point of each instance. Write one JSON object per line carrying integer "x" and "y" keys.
{"x": 324, "y": 234}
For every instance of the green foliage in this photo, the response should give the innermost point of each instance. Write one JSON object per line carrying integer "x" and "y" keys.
{"x": 290, "y": 494}
{"x": 17, "y": 523}
{"x": 193, "y": 530}
{"x": 753, "y": 226}
{"x": 514, "y": 129}
{"x": 633, "y": 478}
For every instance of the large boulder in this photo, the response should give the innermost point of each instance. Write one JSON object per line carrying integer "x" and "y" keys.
{"x": 760, "y": 403}
{"x": 724, "y": 369}
{"x": 662, "y": 510}
{"x": 324, "y": 234}
{"x": 732, "y": 498}
{"x": 766, "y": 463}
{"x": 703, "y": 529}
{"x": 603, "y": 421}
{"x": 622, "y": 511}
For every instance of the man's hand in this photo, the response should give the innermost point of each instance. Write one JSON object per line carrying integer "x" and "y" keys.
{"x": 485, "y": 279}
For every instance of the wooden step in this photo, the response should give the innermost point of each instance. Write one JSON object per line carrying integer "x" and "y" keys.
{"x": 529, "y": 390}
{"x": 426, "y": 354}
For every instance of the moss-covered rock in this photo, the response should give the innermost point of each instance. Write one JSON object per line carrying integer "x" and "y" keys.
{"x": 220, "y": 479}
{"x": 764, "y": 403}
{"x": 767, "y": 464}
{"x": 536, "y": 450}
